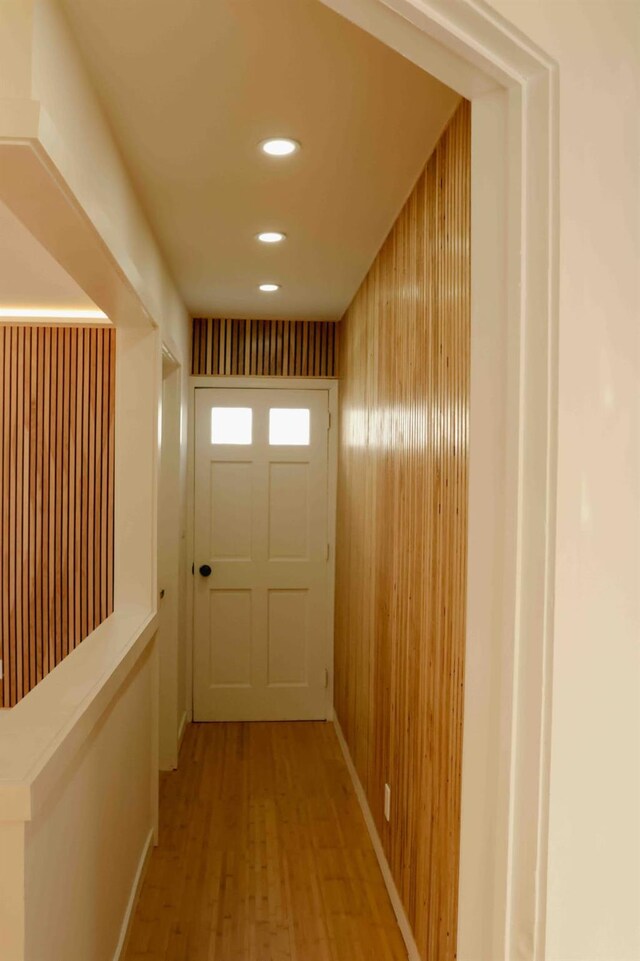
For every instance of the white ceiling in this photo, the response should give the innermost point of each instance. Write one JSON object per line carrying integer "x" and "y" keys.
{"x": 192, "y": 86}
{"x": 29, "y": 276}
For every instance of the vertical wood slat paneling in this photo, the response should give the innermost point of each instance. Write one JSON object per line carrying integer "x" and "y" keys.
{"x": 264, "y": 348}
{"x": 402, "y": 535}
{"x": 56, "y": 490}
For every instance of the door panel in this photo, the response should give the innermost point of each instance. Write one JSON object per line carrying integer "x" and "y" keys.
{"x": 230, "y": 655}
{"x": 289, "y": 519}
{"x": 288, "y": 637}
{"x": 261, "y": 525}
{"x": 230, "y": 511}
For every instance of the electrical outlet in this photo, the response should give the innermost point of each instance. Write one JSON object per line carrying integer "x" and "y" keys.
{"x": 387, "y": 802}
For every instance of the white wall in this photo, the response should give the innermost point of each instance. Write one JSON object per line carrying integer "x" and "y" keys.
{"x": 79, "y": 141}
{"x": 593, "y": 911}
{"x": 83, "y": 850}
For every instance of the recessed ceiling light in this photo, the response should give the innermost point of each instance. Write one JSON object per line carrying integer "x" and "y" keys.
{"x": 280, "y": 146}
{"x": 269, "y": 288}
{"x": 52, "y": 312}
{"x": 271, "y": 236}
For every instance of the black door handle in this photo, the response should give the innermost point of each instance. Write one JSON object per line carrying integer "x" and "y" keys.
{"x": 205, "y": 570}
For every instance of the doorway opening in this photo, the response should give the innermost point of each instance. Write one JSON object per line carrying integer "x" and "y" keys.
{"x": 172, "y": 709}
{"x": 262, "y": 548}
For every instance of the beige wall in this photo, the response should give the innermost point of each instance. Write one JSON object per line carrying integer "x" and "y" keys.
{"x": 12, "y": 903}
{"x": 82, "y": 847}
{"x": 83, "y": 850}
{"x": 594, "y": 843}
{"x": 79, "y": 141}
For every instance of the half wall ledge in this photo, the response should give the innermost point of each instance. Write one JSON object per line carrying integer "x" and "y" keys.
{"x": 41, "y": 735}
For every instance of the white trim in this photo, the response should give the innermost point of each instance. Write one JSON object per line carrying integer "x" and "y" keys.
{"x": 331, "y": 386}
{"x": 394, "y": 895}
{"x": 332, "y": 506}
{"x": 182, "y": 727}
{"x": 43, "y": 313}
{"x": 170, "y": 361}
{"x": 169, "y": 529}
{"x": 134, "y": 895}
{"x": 270, "y": 383}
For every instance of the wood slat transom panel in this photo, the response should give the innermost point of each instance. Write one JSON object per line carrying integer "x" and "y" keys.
{"x": 264, "y": 348}
{"x": 402, "y": 536}
{"x": 56, "y": 491}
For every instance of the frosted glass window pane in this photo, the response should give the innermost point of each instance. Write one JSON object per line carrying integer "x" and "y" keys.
{"x": 289, "y": 425}
{"x": 231, "y": 425}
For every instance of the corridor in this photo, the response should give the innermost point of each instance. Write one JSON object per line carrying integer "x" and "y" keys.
{"x": 264, "y": 854}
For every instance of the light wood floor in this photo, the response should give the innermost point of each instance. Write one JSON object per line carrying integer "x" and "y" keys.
{"x": 263, "y": 856}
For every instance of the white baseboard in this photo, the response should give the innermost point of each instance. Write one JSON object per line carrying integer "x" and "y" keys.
{"x": 133, "y": 897}
{"x": 182, "y": 727}
{"x": 396, "y": 903}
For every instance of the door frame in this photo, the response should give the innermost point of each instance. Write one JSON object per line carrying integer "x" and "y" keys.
{"x": 168, "y": 563}
{"x": 329, "y": 385}
{"x": 513, "y": 87}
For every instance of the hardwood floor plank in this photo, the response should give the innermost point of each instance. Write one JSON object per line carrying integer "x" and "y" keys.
{"x": 263, "y": 855}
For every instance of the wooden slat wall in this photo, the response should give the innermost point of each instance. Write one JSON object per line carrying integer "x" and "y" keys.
{"x": 264, "y": 348}
{"x": 402, "y": 518}
{"x": 56, "y": 491}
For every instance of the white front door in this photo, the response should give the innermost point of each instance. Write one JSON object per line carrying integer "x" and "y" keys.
{"x": 261, "y": 570}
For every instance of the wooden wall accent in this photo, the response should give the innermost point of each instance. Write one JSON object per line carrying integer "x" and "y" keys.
{"x": 402, "y": 536}
{"x": 56, "y": 495}
{"x": 264, "y": 348}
